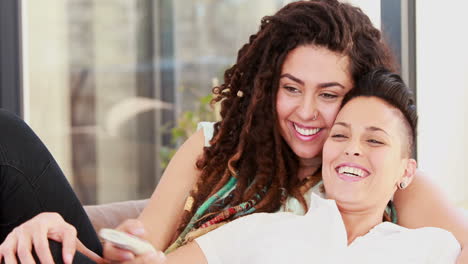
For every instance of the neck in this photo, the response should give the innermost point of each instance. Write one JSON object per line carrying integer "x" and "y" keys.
{"x": 308, "y": 167}
{"x": 358, "y": 222}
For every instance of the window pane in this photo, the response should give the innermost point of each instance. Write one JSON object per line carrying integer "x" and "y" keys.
{"x": 107, "y": 80}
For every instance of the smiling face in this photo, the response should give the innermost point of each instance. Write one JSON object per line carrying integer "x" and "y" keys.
{"x": 313, "y": 83}
{"x": 365, "y": 155}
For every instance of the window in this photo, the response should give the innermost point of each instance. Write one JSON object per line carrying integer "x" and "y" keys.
{"x": 105, "y": 81}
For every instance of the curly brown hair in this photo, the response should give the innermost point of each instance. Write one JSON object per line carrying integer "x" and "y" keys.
{"x": 247, "y": 143}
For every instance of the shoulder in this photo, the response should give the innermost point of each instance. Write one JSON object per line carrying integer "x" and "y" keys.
{"x": 421, "y": 245}
{"x": 196, "y": 140}
{"x": 424, "y": 235}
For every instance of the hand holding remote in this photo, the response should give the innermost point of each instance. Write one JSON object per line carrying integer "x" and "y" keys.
{"x": 126, "y": 241}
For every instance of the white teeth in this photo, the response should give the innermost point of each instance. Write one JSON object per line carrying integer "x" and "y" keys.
{"x": 352, "y": 171}
{"x": 306, "y": 132}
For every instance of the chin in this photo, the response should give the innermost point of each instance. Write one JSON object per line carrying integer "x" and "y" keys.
{"x": 307, "y": 154}
{"x": 348, "y": 195}
{"x": 308, "y": 150}
{"x": 349, "y": 198}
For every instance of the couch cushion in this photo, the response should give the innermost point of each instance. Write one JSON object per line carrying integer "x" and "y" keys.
{"x": 112, "y": 214}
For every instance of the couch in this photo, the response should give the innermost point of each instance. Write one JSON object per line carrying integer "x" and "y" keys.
{"x": 112, "y": 214}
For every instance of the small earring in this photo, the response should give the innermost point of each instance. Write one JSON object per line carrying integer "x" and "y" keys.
{"x": 402, "y": 185}
{"x": 240, "y": 93}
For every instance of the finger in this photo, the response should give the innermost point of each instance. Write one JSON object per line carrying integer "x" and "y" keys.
{"x": 151, "y": 257}
{"x": 9, "y": 251}
{"x": 113, "y": 253}
{"x": 41, "y": 246}
{"x": 10, "y": 258}
{"x": 68, "y": 243}
{"x": 87, "y": 252}
{"x": 8, "y": 248}
{"x": 133, "y": 226}
{"x": 154, "y": 257}
{"x": 25, "y": 247}
{"x": 136, "y": 260}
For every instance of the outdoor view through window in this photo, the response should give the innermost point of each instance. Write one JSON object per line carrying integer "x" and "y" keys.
{"x": 116, "y": 76}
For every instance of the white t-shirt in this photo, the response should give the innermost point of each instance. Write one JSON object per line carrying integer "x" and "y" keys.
{"x": 320, "y": 236}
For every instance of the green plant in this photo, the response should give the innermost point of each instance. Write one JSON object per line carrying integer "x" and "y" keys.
{"x": 187, "y": 125}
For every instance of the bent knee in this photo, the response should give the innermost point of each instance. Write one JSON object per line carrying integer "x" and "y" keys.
{"x": 11, "y": 123}
{"x": 17, "y": 139}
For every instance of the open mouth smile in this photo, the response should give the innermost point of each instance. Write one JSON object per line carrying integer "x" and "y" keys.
{"x": 306, "y": 133}
{"x": 351, "y": 172}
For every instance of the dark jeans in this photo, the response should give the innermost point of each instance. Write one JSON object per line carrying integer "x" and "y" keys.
{"x": 31, "y": 182}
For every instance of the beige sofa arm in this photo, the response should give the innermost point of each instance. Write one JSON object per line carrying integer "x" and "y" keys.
{"x": 112, "y": 214}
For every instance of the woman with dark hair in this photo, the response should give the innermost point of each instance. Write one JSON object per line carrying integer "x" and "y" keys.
{"x": 278, "y": 103}
{"x": 366, "y": 158}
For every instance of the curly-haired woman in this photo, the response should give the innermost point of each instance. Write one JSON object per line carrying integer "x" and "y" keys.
{"x": 279, "y": 101}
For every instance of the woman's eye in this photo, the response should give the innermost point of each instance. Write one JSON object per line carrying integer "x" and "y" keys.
{"x": 338, "y": 136}
{"x": 292, "y": 89}
{"x": 328, "y": 95}
{"x": 373, "y": 141}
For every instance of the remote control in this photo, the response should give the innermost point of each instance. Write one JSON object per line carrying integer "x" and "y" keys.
{"x": 126, "y": 241}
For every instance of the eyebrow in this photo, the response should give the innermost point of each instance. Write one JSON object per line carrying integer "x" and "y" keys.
{"x": 371, "y": 128}
{"x": 321, "y": 85}
{"x": 342, "y": 124}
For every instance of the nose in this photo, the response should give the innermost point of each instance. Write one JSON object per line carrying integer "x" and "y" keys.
{"x": 308, "y": 110}
{"x": 353, "y": 149}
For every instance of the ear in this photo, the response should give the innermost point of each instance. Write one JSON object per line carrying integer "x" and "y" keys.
{"x": 408, "y": 174}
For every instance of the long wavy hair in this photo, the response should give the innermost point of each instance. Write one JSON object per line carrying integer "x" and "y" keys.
{"x": 247, "y": 143}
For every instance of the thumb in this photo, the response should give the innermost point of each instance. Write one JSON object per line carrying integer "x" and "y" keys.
{"x": 134, "y": 227}
{"x": 154, "y": 257}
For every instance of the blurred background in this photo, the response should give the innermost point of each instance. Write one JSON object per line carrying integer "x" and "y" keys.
{"x": 113, "y": 86}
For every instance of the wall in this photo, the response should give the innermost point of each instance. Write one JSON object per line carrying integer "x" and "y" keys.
{"x": 442, "y": 83}
{"x": 45, "y": 49}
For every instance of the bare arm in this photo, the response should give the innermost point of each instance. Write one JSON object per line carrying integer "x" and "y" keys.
{"x": 162, "y": 215}
{"x": 423, "y": 204}
{"x": 188, "y": 254}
